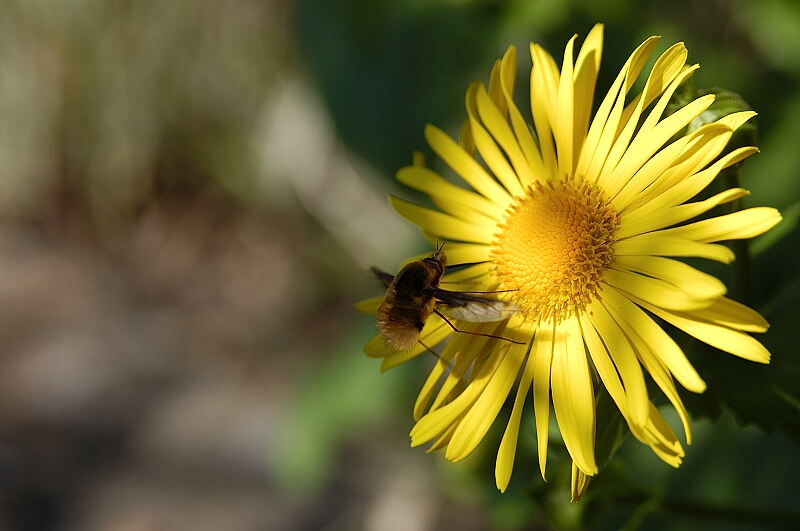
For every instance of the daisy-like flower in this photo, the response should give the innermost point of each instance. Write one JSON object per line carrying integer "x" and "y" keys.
{"x": 582, "y": 219}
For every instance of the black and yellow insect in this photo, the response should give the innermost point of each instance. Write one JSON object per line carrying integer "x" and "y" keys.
{"x": 414, "y": 294}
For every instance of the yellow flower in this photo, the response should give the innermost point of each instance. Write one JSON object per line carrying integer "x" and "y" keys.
{"x": 581, "y": 218}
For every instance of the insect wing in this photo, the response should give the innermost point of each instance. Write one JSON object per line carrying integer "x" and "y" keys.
{"x": 384, "y": 277}
{"x": 483, "y": 312}
{"x": 474, "y": 309}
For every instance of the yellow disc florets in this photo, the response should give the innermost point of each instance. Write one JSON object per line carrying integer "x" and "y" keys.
{"x": 553, "y": 247}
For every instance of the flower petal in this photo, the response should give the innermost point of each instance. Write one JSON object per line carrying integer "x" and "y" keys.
{"x": 650, "y": 138}
{"x": 466, "y": 139}
{"x": 640, "y": 188}
{"x": 496, "y": 85}
{"x": 508, "y": 445}
{"x": 739, "y": 225}
{"x": 573, "y": 397}
{"x": 668, "y": 448}
{"x": 370, "y": 306}
{"x": 665, "y": 69}
{"x": 542, "y": 353}
{"x": 655, "y": 244}
{"x": 643, "y": 221}
{"x": 466, "y": 167}
{"x": 453, "y": 347}
{"x": 645, "y": 431}
{"x": 679, "y": 274}
{"x": 687, "y": 186}
{"x": 431, "y": 183}
{"x": 578, "y": 484}
{"x": 729, "y": 313}
{"x": 544, "y": 90}
{"x": 654, "y": 367}
{"x": 475, "y": 348}
{"x": 731, "y": 341}
{"x": 654, "y": 290}
{"x": 448, "y": 206}
{"x": 443, "y": 225}
{"x": 487, "y": 148}
{"x": 587, "y": 67}
{"x": 438, "y": 420}
{"x": 467, "y": 253}
{"x": 602, "y": 362}
{"x": 621, "y": 351}
{"x": 498, "y": 126}
{"x": 521, "y": 128}
{"x": 444, "y": 438}
{"x": 481, "y": 416}
{"x": 565, "y": 106}
{"x": 660, "y": 343}
{"x": 603, "y": 130}
{"x": 708, "y": 147}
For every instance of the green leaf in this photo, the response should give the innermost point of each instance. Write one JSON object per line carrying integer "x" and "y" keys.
{"x": 727, "y": 102}
{"x": 766, "y": 396}
{"x": 338, "y": 397}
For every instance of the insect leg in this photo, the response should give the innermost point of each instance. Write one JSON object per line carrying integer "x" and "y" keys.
{"x": 446, "y": 320}
{"x": 439, "y": 357}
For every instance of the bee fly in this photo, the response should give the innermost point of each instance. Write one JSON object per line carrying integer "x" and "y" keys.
{"x": 414, "y": 294}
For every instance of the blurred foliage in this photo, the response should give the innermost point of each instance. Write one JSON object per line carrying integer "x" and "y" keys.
{"x": 106, "y": 104}
{"x": 341, "y": 396}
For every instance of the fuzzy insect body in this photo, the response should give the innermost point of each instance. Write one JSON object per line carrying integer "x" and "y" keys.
{"x": 414, "y": 294}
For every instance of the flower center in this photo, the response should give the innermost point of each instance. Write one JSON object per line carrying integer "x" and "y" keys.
{"x": 553, "y": 247}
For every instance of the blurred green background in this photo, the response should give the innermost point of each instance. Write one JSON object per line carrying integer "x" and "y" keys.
{"x": 190, "y": 194}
